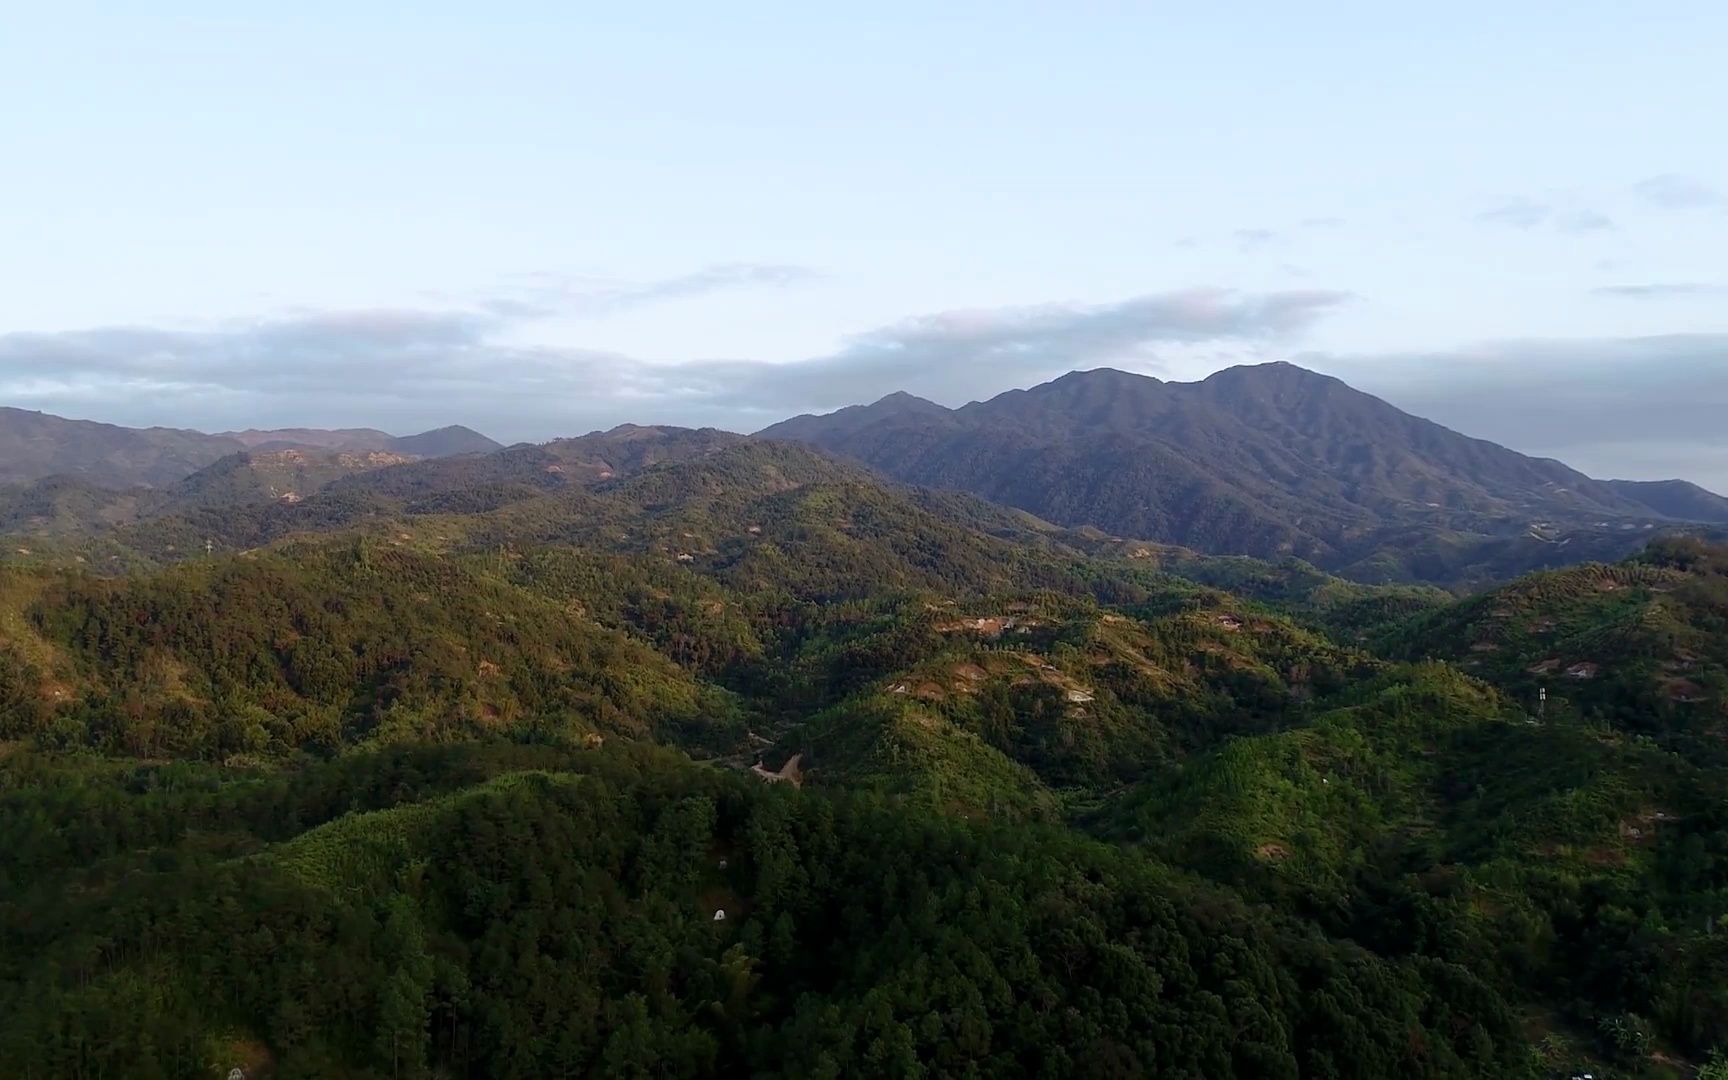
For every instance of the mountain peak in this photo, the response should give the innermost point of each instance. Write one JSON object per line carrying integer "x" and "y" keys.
{"x": 854, "y": 418}
{"x": 1104, "y": 375}
{"x": 1281, "y": 372}
{"x": 901, "y": 400}
{"x": 1265, "y": 459}
{"x": 1095, "y": 400}
{"x": 448, "y": 441}
{"x": 1280, "y": 385}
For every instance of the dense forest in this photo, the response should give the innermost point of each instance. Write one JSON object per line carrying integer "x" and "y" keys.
{"x": 672, "y": 754}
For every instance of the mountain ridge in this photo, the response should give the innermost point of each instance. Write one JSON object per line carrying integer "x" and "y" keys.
{"x": 1264, "y": 460}
{"x": 1270, "y": 461}
{"x": 1296, "y": 746}
{"x": 36, "y": 445}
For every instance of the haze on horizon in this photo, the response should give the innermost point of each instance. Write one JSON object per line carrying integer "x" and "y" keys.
{"x": 539, "y": 220}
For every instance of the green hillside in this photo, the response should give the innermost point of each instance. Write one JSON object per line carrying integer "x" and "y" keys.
{"x": 411, "y": 778}
{"x": 1428, "y": 815}
{"x": 563, "y": 920}
{"x": 320, "y": 647}
{"x": 1640, "y": 646}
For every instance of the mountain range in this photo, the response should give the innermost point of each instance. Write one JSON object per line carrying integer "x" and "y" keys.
{"x": 1270, "y": 460}
{"x": 669, "y": 750}
{"x": 35, "y": 445}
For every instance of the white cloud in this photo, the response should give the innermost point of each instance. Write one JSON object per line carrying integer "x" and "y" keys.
{"x": 407, "y": 368}
{"x": 1523, "y": 213}
{"x": 1672, "y": 191}
{"x": 544, "y": 294}
{"x": 1583, "y": 401}
{"x": 1660, "y": 290}
{"x": 1518, "y": 213}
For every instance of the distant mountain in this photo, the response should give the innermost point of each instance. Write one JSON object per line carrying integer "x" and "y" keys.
{"x": 528, "y": 469}
{"x": 271, "y": 475}
{"x": 337, "y": 438}
{"x": 1674, "y": 498}
{"x": 61, "y": 507}
{"x": 444, "y": 442}
{"x": 439, "y": 442}
{"x": 1269, "y": 460}
{"x": 854, "y": 418}
{"x": 35, "y": 445}
{"x": 254, "y": 497}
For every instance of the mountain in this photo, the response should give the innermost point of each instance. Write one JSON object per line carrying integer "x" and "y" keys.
{"x": 260, "y": 475}
{"x": 974, "y": 794}
{"x": 1269, "y": 460}
{"x": 1674, "y": 498}
{"x": 333, "y": 439}
{"x": 481, "y": 481}
{"x": 443, "y": 442}
{"x": 439, "y": 442}
{"x": 855, "y": 418}
{"x": 63, "y": 507}
{"x": 35, "y": 445}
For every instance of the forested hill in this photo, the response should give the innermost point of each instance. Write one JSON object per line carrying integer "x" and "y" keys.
{"x": 1267, "y": 461}
{"x": 35, "y": 446}
{"x": 664, "y": 751}
{"x": 532, "y": 911}
{"x": 1272, "y": 462}
{"x": 255, "y": 495}
{"x": 1640, "y": 645}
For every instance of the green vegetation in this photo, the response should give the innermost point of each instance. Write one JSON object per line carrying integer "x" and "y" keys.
{"x": 446, "y": 769}
{"x": 1426, "y": 817}
{"x": 1640, "y": 646}
{"x": 563, "y": 922}
{"x": 318, "y": 648}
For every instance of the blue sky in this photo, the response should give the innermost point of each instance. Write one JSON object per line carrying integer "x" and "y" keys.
{"x": 543, "y": 218}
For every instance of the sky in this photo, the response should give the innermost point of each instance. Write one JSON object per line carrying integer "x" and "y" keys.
{"x": 540, "y": 219}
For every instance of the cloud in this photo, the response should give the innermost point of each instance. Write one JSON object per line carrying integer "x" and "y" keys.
{"x": 1672, "y": 191}
{"x": 1248, "y": 240}
{"x": 1527, "y": 214}
{"x": 1584, "y": 221}
{"x": 1660, "y": 291}
{"x": 544, "y": 294}
{"x": 336, "y": 363}
{"x": 958, "y": 354}
{"x": 1632, "y": 407}
{"x": 1519, "y": 214}
{"x": 406, "y": 369}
